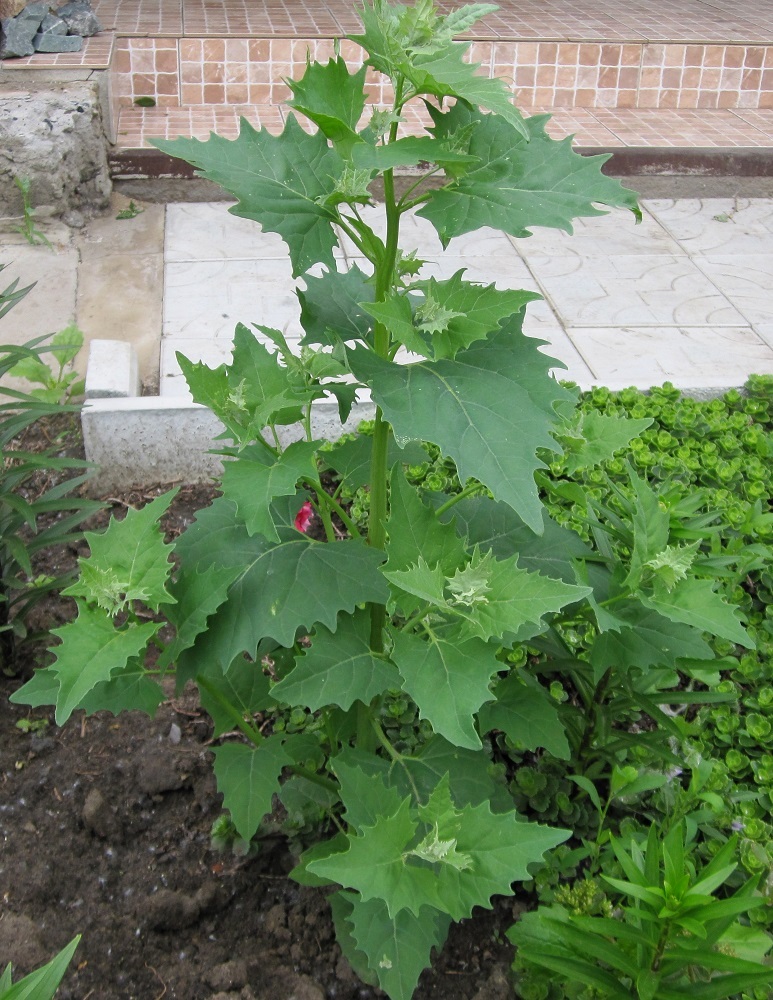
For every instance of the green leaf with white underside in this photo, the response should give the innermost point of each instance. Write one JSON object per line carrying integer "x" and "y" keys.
{"x": 694, "y": 602}
{"x": 519, "y": 184}
{"x": 129, "y": 561}
{"x": 253, "y": 484}
{"x": 649, "y": 640}
{"x": 332, "y": 98}
{"x": 279, "y": 181}
{"x": 595, "y": 437}
{"x": 497, "y": 528}
{"x": 280, "y": 589}
{"x": 92, "y": 650}
{"x": 433, "y": 65}
{"x": 449, "y": 679}
{"x": 130, "y": 689}
{"x": 398, "y": 948}
{"x": 248, "y": 778}
{"x": 406, "y": 152}
{"x": 330, "y": 307}
{"x": 527, "y": 715}
{"x": 242, "y": 684}
{"x": 338, "y": 668}
{"x": 489, "y": 409}
{"x": 378, "y": 867}
{"x": 198, "y": 596}
{"x": 474, "y": 311}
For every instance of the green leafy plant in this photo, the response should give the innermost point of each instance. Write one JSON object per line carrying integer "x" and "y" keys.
{"x": 671, "y": 937}
{"x": 131, "y": 211}
{"x": 37, "y": 508}
{"x": 41, "y": 984}
{"x": 28, "y": 227}
{"x": 371, "y": 670}
{"x": 58, "y": 385}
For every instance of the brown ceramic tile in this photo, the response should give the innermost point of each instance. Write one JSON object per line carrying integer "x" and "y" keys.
{"x": 95, "y": 54}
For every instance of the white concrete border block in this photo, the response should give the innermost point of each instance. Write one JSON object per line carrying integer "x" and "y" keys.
{"x": 113, "y": 370}
{"x": 140, "y": 441}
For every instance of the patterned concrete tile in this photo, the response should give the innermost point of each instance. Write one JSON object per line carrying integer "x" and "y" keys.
{"x": 689, "y": 357}
{"x": 745, "y": 281}
{"x": 632, "y": 290}
{"x": 765, "y": 331}
{"x": 206, "y": 299}
{"x": 207, "y": 231}
{"x": 718, "y": 225}
{"x": 611, "y": 234}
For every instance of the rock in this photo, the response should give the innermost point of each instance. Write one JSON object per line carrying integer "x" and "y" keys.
{"x": 80, "y": 18}
{"x": 74, "y": 219}
{"x": 52, "y": 25}
{"x": 17, "y": 37}
{"x": 54, "y": 134}
{"x": 35, "y": 12}
{"x": 228, "y": 976}
{"x": 157, "y": 773}
{"x": 57, "y": 43}
{"x": 20, "y": 944}
{"x": 170, "y": 911}
{"x": 10, "y": 8}
{"x": 98, "y": 817}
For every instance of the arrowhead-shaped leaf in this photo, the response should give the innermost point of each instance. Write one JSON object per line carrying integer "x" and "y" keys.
{"x": 198, "y": 595}
{"x": 490, "y": 410}
{"x": 519, "y": 184}
{"x": 694, "y": 602}
{"x": 332, "y": 98}
{"x": 92, "y": 651}
{"x": 526, "y": 715}
{"x": 398, "y": 949}
{"x": 351, "y": 459}
{"x": 331, "y": 312}
{"x": 279, "y": 181}
{"x": 596, "y": 437}
{"x": 253, "y": 484}
{"x": 339, "y": 668}
{"x": 129, "y": 561}
{"x": 366, "y": 797}
{"x": 243, "y": 685}
{"x": 415, "y": 531}
{"x": 248, "y": 778}
{"x": 131, "y": 689}
{"x": 651, "y": 526}
{"x": 407, "y": 152}
{"x": 448, "y": 678}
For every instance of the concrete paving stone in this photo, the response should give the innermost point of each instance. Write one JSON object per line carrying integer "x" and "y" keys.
{"x": 717, "y": 225}
{"x": 745, "y": 281}
{"x": 106, "y": 236}
{"x": 765, "y": 331}
{"x": 690, "y": 357}
{"x": 632, "y": 290}
{"x": 50, "y": 306}
{"x": 120, "y": 297}
{"x": 206, "y": 299}
{"x": 614, "y": 233}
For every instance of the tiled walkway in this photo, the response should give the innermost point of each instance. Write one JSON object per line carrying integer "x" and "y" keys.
{"x": 685, "y": 296}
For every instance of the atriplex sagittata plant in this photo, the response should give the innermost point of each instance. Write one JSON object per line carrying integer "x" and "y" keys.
{"x": 432, "y": 599}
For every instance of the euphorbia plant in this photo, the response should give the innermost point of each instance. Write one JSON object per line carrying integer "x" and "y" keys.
{"x": 428, "y": 600}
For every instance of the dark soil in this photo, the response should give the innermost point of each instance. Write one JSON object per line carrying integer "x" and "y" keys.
{"x": 105, "y": 828}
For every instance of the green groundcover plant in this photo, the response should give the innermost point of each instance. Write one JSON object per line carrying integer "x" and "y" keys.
{"x": 432, "y": 598}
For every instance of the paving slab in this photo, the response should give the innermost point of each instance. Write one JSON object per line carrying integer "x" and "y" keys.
{"x": 745, "y": 280}
{"x": 717, "y": 225}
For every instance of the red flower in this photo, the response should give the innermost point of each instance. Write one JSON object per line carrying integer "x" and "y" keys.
{"x": 303, "y": 517}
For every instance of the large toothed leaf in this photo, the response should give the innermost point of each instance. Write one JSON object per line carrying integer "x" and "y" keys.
{"x": 338, "y": 668}
{"x": 499, "y": 848}
{"x": 490, "y": 409}
{"x": 91, "y": 652}
{"x": 497, "y": 528}
{"x": 527, "y": 715}
{"x": 282, "y": 588}
{"x": 406, "y": 152}
{"x": 243, "y": 685}
{"x": 649, "y": 640}
{"x": 253, "y": 483}
{"x": 366, "y": 796}
{"x": 448, "y": 678}
{"x": 696, "y": 603}
{"x": 398, "y": 948}
{"x": 377, "y": 866}
{"x": 130, "y": 689}
{"x": 595, "y": 437}
{"x": 279, "y": 181}
{"x": 129, "y": 561}
{"x": 351, "y": 459}
{"x": 415, "y": 531}
{"x": 198, "y": 596}
{"x": 448, "y": 315}
{"x": 330, "y": 307}
{"x": 519, "y": 184}
{"x": 331, "y": 97}
{"x": 248, "y": 777}
{"x": 413, "y": 42}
